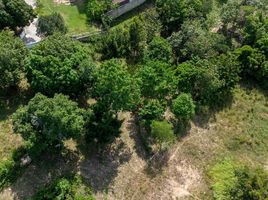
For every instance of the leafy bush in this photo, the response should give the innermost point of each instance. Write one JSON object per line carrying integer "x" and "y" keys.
{"x": 15, "y": 13}
{"x": 156, "y": 80}
{"x": 96, "y": 9}
{"x": 50, "y": 24}
{"x": 10, "y": 169}
{"x": 162, "y": 132}
{"x": 183, "y": 107}
{"x": 202, "y": 80}
{"x": 57, "y": 65}
{"x": 252, "y": 61}
{"x": 159, "y": 49}
{"x": 233, "y": 181}
{"x": 12, "y": 54}
{"x": 152, "y": 110}
{"x": 6, "y": 169}
{"x": 46, "y": 122}
{"x": 103, "y": 126}
{"x": 114, "y": 88}
{"x": 65, "y": 188}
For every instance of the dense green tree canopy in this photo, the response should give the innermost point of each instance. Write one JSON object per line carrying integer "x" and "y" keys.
{"x": 194, "y": 40}
{"x": 152, "y": 109}
{"x": 114, "y": 87}
{"x": 159, "y": 49}
{"x": 15, "y": 13}
{"x": 96, "y": 9}
{"x": 49, "y": 24}
{"x": 156, "y": 79}
{"x": 58, "y": 64}
{"x": 46, "y": 122}
{"x": 183, "y": 107}
{"x": 12, "y": 54}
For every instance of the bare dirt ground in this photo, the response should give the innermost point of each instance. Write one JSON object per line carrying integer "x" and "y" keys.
{"x": 133, "y": 178}
{"x": 122, "y": 172}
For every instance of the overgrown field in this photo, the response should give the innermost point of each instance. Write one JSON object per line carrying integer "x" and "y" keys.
{"x": 237, "y": 133}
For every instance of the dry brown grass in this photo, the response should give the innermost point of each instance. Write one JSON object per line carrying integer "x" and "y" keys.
{"x": 124, "y": 171}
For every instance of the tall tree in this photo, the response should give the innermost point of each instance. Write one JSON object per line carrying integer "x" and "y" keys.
{"x": 58, "y": 64}
{"x": 49, "y": 24}
{"x": 46, "y": 122}
{"x": 114, "y": 87}
{"x": 15, "y": 13}
{"x": 12, "y": 54}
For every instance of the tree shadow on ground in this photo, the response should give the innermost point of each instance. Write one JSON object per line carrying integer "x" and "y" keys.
{"x": 81, "y": 5}
{"x": 205, "y": 114}
{"x": 100, "y": 169}
{"x": 11, "y": 100}
{"x": 135, "y": 131}
{"x": 41, "y": 172}
{"x": 155, "y": 161}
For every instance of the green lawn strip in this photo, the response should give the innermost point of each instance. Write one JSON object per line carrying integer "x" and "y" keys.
{"x": 74, "y": 15}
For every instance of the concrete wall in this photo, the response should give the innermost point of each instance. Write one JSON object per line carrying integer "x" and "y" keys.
{"x": 125, "y": 8}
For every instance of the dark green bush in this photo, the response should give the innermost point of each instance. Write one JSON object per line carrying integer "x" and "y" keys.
{"x": 57, "y": 65}
{"x": 233, "y": 181}
{"x": 46, "y": 122}
{"x": 50, "y": 24}
{"x": 183, "y": 107}
{"x": 97, "y": 8}
{"x": 152, "y": 109}
{"x": 65, "y": 188}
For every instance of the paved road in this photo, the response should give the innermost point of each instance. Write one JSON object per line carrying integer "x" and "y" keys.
{"x": 29, "y": 34}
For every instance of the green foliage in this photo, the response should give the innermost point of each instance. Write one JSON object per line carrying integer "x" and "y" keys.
{"x": 97, "y": 8}
{"x": 229, "y": 70}
{"x": 156, "y": 79}
{"x": 223, "y": 179}
{"x": 256, "y": 26}
{"x": 15, "y": 13}
{"x": 233, "y": 181}
{"x": 57, "y": 65}
{"x": 162, "y": 132}
{"x": 10, "y": 169}
{"x": 195, "y": 40}
{"x": 114, "y": 87}
{"x": 152, "y": 109}
{"x": 50, "y": 24}
{"x": 251, "y": 184}
{"x": 183, "y": 107}
{"x": 116, "y": 44}
{"x": 173, "y": 13}
{"x": 12, "y": 54}
{"x": 152, "y": 24}
{"x": 103, "y": 126}
{"x": 252, "y": 62}
{"x": 6, "y": 168}
{"x": 262, "y": 45}
{"x": 46, "y": 122}
{"x": 138, "y": 37}
{"x": 159, "y": 49}
{"x": 200, "y": 79}
{"x": 65, "y": 188}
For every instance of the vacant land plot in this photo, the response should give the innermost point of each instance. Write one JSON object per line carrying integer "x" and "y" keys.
{"x": 239, "y": 131}
{"x": 73, "y": 14}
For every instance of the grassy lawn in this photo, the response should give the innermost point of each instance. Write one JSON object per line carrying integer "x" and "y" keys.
{"x": 74, "y": 15}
